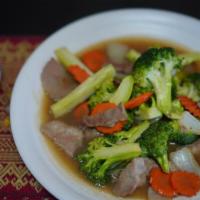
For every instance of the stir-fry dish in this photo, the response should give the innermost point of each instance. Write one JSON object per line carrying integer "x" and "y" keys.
{"x": 128, "y": 118}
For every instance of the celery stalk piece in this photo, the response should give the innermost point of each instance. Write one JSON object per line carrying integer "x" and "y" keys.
{"x": 133, "y": 55}
{"x": 124, "y": 91}
{"x": 66, "y": 58}
{"x": 83, "y": 91}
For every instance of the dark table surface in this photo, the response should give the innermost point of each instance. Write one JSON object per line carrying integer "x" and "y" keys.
{"x": 46, "y": 16}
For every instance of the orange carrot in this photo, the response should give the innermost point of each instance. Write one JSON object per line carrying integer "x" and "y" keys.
{"x": 78, "y": 73}
{"x": 161, "y": 182}
{"x": 136, "y": 101}
{"x": 94, "y": 59}
{"x": 102, "y": 107}
{"x": 190, "y": 105}
{"x": 81, "y": 111}
{"x": 185, "y": 183}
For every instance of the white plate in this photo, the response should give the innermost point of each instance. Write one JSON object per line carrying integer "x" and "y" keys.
{"x": 27, "y": 92}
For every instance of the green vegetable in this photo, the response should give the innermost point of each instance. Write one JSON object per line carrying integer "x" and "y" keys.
{"x": 66, "y": 58}
{"x": 188, "y": 85}
{"x": 83, "y": 91}
{"x": 132, "y": 55}
{"x": 104, "y": 153}
{"x": 189, "y": 58}
{"x": 154, "y": 142}
{"x": 124, "y": 91}
{"x": 148, "y": 112}
{"x": 103, "y": 94}
{"x": 176, "y": 110}
{"x": 154, "y": 70}
{"x": 181, "y": 138}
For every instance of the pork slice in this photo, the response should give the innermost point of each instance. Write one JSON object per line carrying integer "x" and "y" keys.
{"x": 108, "y": 118}
{"x": 90, "y": 134}
{"x": 69, "y": 138}
{"x": 133, "y": 176}
{"x": 55, "y": 81}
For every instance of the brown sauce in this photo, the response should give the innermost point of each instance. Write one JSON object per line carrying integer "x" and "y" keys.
{"x": 140, "y": 44}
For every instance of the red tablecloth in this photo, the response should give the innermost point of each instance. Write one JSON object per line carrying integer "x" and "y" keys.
{"x": 16, "y": 182}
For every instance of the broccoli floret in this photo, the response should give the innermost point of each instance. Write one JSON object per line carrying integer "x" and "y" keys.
{"x": 176, "y": 111}
{"x": 188, "y": 86}
{"x": 103, "y": 94}
{"x": 154, "y": 70}
{"x": 154, "y": 142}
{"x": 106, "y": 152}
{"x": 148, "y": 112}
{"x": 179, "y": 137}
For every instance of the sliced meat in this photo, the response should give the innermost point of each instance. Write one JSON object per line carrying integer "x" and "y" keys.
{"x": 90, "y": 134}
{"x": 56, "y": 82}
{"x": 133, "y": 176}
{"x": 69, "y": 138}
{"x": 195, "y": 149}
{"x": 108, "y": 118}
{"x": 152, "y": 195}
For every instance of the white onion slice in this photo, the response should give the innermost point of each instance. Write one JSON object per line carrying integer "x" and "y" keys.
{"x": 189, "y": 123}
{"x": 184, "y": 160}
{"x": 117, "y": 52}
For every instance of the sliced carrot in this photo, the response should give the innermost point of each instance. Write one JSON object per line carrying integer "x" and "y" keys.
{"x": 161, "y": 182}
{"x": 102, "y": 107}
{"x": 81, "y": 111}
{"x": 78, "y": 73}
{"x": 136, "y": 101}
{"x": 185, "y": 183}
{"x": 190, "y": 105}
{"x": 94, "y": 59}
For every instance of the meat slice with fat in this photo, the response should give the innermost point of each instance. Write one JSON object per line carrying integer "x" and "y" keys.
{"x": 133, "y": 176}
{"x": 55, "y": 81}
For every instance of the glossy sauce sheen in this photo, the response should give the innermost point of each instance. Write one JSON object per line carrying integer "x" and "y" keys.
{"x": 140, "y": 44}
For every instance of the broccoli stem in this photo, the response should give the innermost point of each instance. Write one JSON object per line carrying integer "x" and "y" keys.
{"x": 189, "y": 58}
{"x": 124, "y": 91}
{"x": 164, "y": 163}
{"x": 66, "y": 58}
{"x": 82, "y": 92}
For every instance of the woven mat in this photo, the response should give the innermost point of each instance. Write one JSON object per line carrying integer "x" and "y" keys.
{"x": 16, "y": 182}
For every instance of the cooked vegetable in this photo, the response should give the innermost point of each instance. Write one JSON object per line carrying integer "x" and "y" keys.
{"x": 148, "y": 112}
{"x": 154, "y": 142}
{"x": 188, "y": 85}
{"x": 117, "y": 52}
{"x": 81, "y": 110}
{"x": 133, "y": 55}
{"x": 82, "y": 92}
{"x": 185, "y": 183}
{"x": 136, "y": 101}
{"x": 184, "y": 160}
{"x": 161, "y": 182}
{"x": 103, "y": 94}
{"x": 190, "y": 105}
{"x": 154, "y": 70}
{"x": 123, "y": 92}
{"x": 94, "y": 59}
{"x": 189, "y": 58}
{"x": 101, "y": 108}
{"x": 106, "y": 153}
{"x": 176, "y": 110}
{"x": 66, "y": 58}
{"x": 189, "y": 123}
{"x": 78, "y": 73}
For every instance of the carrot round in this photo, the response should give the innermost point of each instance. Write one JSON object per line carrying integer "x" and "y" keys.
{"x": 161, "y": 182}
{"x": 94, "y": 59}
{"x": 78, "y": 73}
{"x": 185, "y": 183}
{"x": 190, "y": 105}
{"x": 136, "y": 101}
{"x": 81, "y": 111}
{"x": 102, "y": 107}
